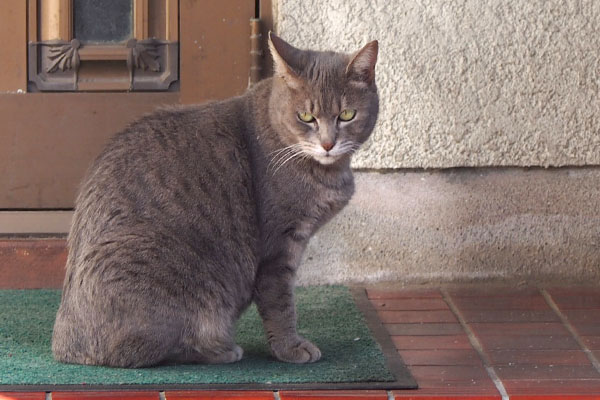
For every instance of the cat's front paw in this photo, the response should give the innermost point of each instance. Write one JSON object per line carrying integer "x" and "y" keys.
{"x": 295, "y": 350}
{"x": 226, "y": 357}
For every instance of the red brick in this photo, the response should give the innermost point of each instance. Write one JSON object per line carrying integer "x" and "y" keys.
{"x": 554, "y": 397}
{"x": 441, "y": 357}
{"x": 403, "y": 293}
{"x": 519, "y": 328}
{"x": 591, "y": 316}
{"x": 431, "y": 342}
{"x": 218, "y": 394}
{"x": 333, "y": 394}
{"x": 502, "y": 342}
{"x": 451, "y": 373}
{"x": 539, "y": 371}
{"x": 450, "y": 381}
{"x": 547, "y": 357}
{"x": 495, "y": 291}
{"x": 575, "y": 291}
{"x": 429, "y": 329}
{"x": 592, "y": 342}
{"x": 449, "y": 393}
{"x": 509, "y": 316}
{"x": 22, "y": 395}
{"x": 106, "y": 395}
{"x": 587, "y": 329}
{"x": 577, "y": 302}
{"x": 410, "y": 304}
{"x": 472, "y": 386}
{"x": 394, "y": 317}
{"x": 556, "y": 387}
{"x": 502, "y": 303}
{"x": 32, "y": 264}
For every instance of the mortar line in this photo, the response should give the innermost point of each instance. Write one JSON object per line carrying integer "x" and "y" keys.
{"x": 567, "y": 324}
{"x": 476, "y": 344}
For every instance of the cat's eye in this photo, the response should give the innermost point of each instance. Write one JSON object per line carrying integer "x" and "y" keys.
{"x": 347, "y": 115}
{"x": 306, "y": 117}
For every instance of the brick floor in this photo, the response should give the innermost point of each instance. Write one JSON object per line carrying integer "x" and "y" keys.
{"x": 109, "y": 395}
{"x": 463, "y": 342}
{"x": 218, "y": 395}
{"x": 523, "y": 343}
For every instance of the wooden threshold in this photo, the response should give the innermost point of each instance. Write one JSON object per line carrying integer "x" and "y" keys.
{"x": 18, "y": 223}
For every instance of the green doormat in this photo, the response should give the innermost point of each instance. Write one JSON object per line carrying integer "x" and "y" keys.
{"x": 326, "y": 315}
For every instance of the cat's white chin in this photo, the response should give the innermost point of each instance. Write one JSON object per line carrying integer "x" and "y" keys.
{"x": 326, "y": 159}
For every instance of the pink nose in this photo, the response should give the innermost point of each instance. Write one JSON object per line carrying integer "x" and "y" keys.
{"x": 327, "y": 145}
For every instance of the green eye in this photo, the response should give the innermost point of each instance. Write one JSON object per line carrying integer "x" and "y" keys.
{"x": 306, "y": 117}
{"x": 347, "y": 115}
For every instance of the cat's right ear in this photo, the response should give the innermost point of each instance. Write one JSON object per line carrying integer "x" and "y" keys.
{"x": 281, "y": 52}
{"x": 361, "y": 69}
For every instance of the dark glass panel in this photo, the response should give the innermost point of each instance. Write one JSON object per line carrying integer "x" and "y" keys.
{"x": 103, "y": 21}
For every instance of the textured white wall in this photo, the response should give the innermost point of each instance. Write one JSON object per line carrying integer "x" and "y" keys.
{"x": 469, "y": 82}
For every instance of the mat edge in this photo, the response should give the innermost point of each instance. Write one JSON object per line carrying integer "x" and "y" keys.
{"x": 393, "y": 360}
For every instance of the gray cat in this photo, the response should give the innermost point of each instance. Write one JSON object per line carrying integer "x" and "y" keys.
{"x": 191, "y": 213}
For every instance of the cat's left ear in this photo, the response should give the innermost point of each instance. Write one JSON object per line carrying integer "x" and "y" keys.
{"x": 284, "y": 57}
{"x": 361, "y": 68}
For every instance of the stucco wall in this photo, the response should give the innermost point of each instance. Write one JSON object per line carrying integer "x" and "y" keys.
{"x": 469, "y": 82}
{"x": 464, "y": 224}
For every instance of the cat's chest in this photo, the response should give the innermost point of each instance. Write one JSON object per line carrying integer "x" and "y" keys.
{"x": 319, "y": 212}
{"x": 303, "y": 210}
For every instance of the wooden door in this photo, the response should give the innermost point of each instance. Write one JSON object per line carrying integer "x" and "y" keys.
{"x": 48, "y": 137}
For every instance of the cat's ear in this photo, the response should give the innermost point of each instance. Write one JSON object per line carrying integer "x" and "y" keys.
{"x": 284, "y": 55}
{"x": 361, "y": 68}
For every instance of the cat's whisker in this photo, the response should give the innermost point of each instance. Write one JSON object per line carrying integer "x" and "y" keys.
{"x": 286, "y": 160}
{"x": 289, "y": 153}
{"x": 355, "y": 148}
{"x": 311, "y": 150}
{"x": 306, "y": 156}
{"x": 349, "y": 147}
{"x": 276, "y": 166}
{"x": 274, "y": 153}
{"x": 282, "y": 154}
{"x": 296, "y": 154}
{"x": 279, "y": 153}
{"x": 276, "y": 161}
{"x": 281, "y": 159}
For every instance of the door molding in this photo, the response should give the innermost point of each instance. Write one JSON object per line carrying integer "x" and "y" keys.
{"x": 35, "y": 222}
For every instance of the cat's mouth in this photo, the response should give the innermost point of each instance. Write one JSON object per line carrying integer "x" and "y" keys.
{"x": 334, "y": 154}
{"x": 304, "y": 150}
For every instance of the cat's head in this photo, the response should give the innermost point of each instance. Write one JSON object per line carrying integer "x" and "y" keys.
{"x": 323, "y": 104}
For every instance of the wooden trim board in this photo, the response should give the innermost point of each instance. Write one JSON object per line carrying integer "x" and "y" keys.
{"x": 35, "y": 222}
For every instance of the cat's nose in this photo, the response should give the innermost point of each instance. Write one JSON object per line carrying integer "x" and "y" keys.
{"x": 327, "y": 145}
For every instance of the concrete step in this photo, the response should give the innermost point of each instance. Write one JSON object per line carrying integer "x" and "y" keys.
{"x": 414, "y": 227}
{"x": 462, "y": 225}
